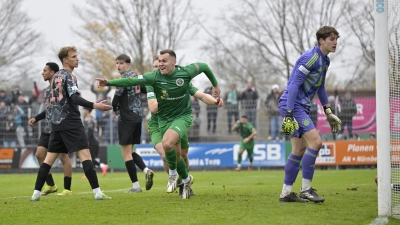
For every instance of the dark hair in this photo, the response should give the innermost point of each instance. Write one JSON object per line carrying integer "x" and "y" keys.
{"x": 88, "y": 109}
{"x": 124, "y": 58}
{"x": 168, "y": 51}
{"x": 53, "y": 66}
{"x": 325, "y": 32}
{"x": 244, "y": 116}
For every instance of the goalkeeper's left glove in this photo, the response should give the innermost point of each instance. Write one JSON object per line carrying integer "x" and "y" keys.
{"x": 334, "y": 121}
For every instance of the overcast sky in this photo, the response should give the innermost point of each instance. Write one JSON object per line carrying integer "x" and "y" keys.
{"x": 55, "y": 18}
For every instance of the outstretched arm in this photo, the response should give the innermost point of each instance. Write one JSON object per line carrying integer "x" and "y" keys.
{"x": 208, "y": 99}
{"x": 145, "y": 79}
{"x": 200, "y": 67}
{"x": 77, "y": 99}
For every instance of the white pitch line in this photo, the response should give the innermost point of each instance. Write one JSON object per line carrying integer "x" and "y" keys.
{"x": 380, "y": 221}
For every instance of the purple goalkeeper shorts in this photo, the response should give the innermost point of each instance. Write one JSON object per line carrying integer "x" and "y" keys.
{"x": 302, "y": 118}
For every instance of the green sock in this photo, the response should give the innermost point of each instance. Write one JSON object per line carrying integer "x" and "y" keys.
{"x": 239, "y": 158}
{"x": 183, "y": 173}
{"x": 251, "y": 158}
{"x": 171, "y": 159}
{"x": 179, "y": 180}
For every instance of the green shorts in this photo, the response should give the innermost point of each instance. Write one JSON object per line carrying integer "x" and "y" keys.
{"x": 181, "y": 125}
{"x": 185, "y": 142}
{"x": 154, "y": 131}
{"x": 249, "y": 146}
{"x": 156, "y": 137}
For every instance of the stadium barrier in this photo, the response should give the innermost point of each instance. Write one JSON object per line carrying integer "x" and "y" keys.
{"x": 216, "y": 155}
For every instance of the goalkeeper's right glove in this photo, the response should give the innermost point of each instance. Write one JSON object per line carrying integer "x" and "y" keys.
{"x": 289, "y": 123}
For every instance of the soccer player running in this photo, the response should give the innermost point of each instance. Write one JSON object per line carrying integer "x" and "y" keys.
{"x": 48, "y": 71}
{"x": 127, "y": 105}
{"x": 306, "y": 80}
{"x": 248, "y": 133}
{"x": 154, "y": 131}
{"x": 171, "y": 85}
{"x": 91, "y": 130}
{"x": 68, "y": 134}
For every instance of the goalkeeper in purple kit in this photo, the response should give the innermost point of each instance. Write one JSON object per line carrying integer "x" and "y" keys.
{"x": 306, "y": 80}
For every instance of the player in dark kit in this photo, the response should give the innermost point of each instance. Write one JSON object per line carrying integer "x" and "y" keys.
{"x": 127, "y": 105}
{"x": 48, "y": 72}
{"x": 68, "y": 134}
{"x": 91, "y": 130}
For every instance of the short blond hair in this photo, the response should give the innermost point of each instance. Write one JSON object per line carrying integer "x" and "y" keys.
{"x": 63, "y": 53}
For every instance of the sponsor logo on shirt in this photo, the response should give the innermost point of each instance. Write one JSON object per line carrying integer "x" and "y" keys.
{"x": 140, "y": 77}
{"x": 304, "y": 70}
{"x": 150, "y": 94}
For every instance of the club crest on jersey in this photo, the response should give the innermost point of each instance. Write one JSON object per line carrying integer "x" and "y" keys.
{"x": 306, "y": 122}
{"x": 180, "y": 81}
{"x": 164, "y": 94}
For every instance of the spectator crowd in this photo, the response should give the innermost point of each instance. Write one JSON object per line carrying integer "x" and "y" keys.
{"x": 16, "y": 108}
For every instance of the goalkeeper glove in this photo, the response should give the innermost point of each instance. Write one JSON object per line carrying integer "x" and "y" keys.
{"x": 289, "y": 123}
{"x": 334, "y": 121}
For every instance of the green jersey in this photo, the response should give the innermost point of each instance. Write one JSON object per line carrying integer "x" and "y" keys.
{"x": 150, "y": 95}
{"x": 171, "y": 90}
{"x": 245, "y": 129}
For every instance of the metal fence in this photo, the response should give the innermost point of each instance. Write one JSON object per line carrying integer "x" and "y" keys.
{"x": 210, "y": 125}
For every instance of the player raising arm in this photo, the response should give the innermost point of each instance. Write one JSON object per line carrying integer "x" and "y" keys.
{"x": 171, "y": 88}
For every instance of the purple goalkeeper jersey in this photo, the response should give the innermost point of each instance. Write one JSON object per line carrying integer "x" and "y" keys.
{"x": 306, "y": 80}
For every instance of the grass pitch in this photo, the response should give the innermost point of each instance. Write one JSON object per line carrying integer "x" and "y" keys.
{"x": 220, "y": 198}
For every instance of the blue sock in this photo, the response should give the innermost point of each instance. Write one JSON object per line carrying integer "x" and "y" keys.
{"x": 308, "y": 163}
{"x": 292, "y": 168}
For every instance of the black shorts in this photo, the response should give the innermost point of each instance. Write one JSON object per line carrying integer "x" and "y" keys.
{"x": 68, "y": 141}
{"x": 129, "y": 133}
{"x": 44, "y": 140}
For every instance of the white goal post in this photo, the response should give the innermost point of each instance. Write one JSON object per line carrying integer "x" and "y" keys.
{"x": 383, "y": 107}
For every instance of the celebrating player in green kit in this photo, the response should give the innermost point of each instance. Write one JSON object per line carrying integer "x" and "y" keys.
{"x": 154, "y": 131}
{"x": 171, "y": 87}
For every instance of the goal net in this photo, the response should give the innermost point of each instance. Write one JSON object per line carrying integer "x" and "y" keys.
{"x": 394, "y": 100}
{"x": 387, "y": 66}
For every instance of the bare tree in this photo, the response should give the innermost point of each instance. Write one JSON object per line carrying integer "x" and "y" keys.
{"x": 17, "y": 40}
{"x": 139, "y": 28}
{"x": 276, "y": 31}
{"x": 360, "y": 23}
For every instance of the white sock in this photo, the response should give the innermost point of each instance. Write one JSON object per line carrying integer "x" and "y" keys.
{"x": 306, "y": 184}
{"x": 101, "y": 165}
{"x": 145, "y": 170}
{"x": 97, "y": 191}
{"x": 173, "y": 172}
{"x": 186, "y": 180}
{"x": 36, "y": 192}
{"x": 286, "y": 189}
{"x": 136, "y": 184}
{"x": 239, "y": 166}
